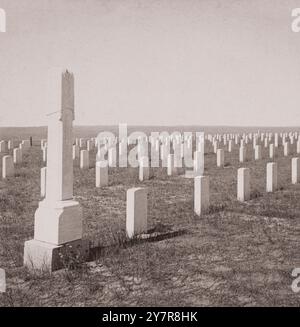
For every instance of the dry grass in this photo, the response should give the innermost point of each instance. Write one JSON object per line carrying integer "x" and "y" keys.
{"x": 237, "y": 254}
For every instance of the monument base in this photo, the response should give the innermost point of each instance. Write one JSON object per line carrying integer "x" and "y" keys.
{"x": 49, "y": 257}
{"x": 58, "y": 222}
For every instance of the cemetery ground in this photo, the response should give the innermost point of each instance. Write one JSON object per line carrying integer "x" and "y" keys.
{"x": 238, "y": 254}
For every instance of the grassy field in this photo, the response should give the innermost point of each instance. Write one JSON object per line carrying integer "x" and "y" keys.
{"x": 238, "y": 254}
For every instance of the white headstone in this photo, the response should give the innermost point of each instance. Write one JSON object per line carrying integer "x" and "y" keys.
{"x": 11, "y": 145}
{"x": 257, "y": 152}
{"x": 298, "y": 146}
{"x": 89, "y": 145}
{"x": 3, "y": 147}
{"x": 198, "y": 163}
{"x": 17, "y": 154}
{"x": 43, "y": 181}
{"x": 286, "y": 149}
{"x": 164, "y": 152}
{"x": 295, "y": 170}
{"x": 123, "y": 153}
{"x": 136, "y": 211}
{"x": 7, "y": 167}
{"x": 84, "y": 159}
{"x": 82, "y": 143}
{"x": 272, "y": 151}
{"x": 276, "y": 140}
{"x": 43, "y": 143}
{"x": 2, "y": 281}
{"x": 177, "y": 155}
{"x": 243, "y": 184}
{"x": 271, "y": 176}
{"x": 76, "y": 151}
{"x": 220, "y": 158}
{"x": 45, "y": 154}
{"x": 215, "y": 146}
{"x": 201, "y": 194}
{"x": 144, "y": 168}
{"x": 101, "y": 173}
{"x": 112, "y": 157}
{"x": 171, "y": 169}
{"x": 242, "y": 154}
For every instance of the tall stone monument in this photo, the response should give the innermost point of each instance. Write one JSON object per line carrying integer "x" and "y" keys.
{"x": 58, "y": 219}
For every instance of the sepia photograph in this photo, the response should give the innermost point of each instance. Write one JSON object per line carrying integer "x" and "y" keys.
{"x": 149, "y": 156}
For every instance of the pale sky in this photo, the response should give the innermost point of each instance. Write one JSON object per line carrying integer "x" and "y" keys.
{"x": 153, "y": 62}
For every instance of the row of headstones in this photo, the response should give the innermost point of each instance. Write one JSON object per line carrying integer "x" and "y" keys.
{"x": 165, "y": 151}
{"x": 101, "y": 166}
{"x": 168, "y": 159}
{"x": 286, "y": 139}
{"x": 257, "y": 153}
{"x": 8, "y": 161}
{"x": 178, "y": 138}
{"x": 90, "y": 144}
{"x": 144, "y": 172}
{"x": 172, "y": 161}
{"x": 266, "y": 139}
{"x": 136, "y": 221}
{"x": 5, "y": 146}
{"x": 215, "y": 140}
{"x": 255, "y": 137}
{"x": 244, "y": 178}
{"x": 136, "y": 212}
{"x": 101, "y": 172}
{"x": 77, "y": 152}
{"x": 110, "y": 145}
{"x": 201, "y": 184}
{"x": 180, "y": 143}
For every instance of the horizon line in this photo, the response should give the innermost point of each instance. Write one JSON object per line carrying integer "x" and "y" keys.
{"x": 162, "y": 125}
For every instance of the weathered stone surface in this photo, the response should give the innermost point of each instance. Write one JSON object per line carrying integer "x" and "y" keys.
{"x": 243, "y": 184}
{"x": 271, "y": 176}
{"x": 8, "y": 169}
{"x": 101, "y": 173}
{"x": 201, "y": 194}
{"x": 295, "y": 170}
{"x": 136, "y": 211}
